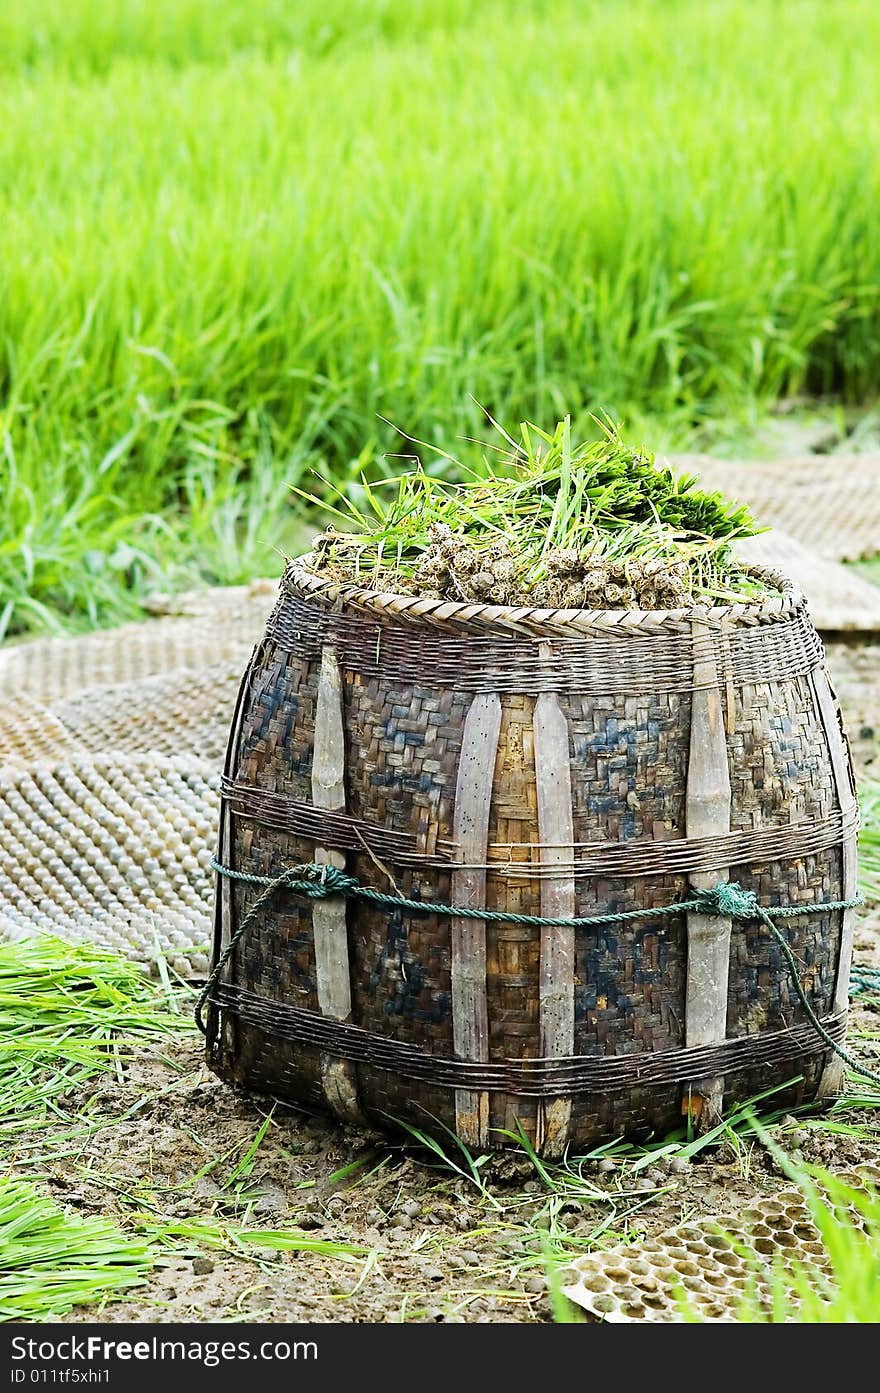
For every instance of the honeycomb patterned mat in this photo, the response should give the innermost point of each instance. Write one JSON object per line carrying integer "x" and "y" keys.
{"x": 707, "y": 1267}
{"x": 110, "y": 751}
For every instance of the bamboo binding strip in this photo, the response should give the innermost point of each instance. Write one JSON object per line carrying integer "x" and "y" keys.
{"x": 608, "y": 860}
{"x": 555, "y": 1078}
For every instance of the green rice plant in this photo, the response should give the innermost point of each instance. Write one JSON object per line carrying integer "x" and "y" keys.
{"x": 562, "y": 1311}
{"x": 68, "y": 1013}
{"x": 236, "y": 240}
{"x": 190, "y": 1235}
{"x": 77, "y": 548}
{"x": 455, "y": 1156}
{"x": 869, "y": 839}
{"x": 51, "y": 1261}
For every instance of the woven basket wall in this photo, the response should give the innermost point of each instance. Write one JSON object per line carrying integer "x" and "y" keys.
{"x": 557, "y": 763}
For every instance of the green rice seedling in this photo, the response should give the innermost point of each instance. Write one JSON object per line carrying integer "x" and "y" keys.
{"x": 869, "y": 839}
{"x": 243, "y": 1167}
{"x": 51, "y": 1261}
{"x": 563, "y": 1311}
{"x": 456, "y": 1156}
{"x": 189, "y": 1235}
{"x": 67, "y": 1013}
{"x": 549, "y": 521}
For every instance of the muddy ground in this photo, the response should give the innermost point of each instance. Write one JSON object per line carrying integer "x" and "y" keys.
{"x": 443, "y": 1251}
{"x": 431, "y": 1245}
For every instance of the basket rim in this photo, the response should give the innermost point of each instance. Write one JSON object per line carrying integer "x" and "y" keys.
{"x": 788, "y": 601}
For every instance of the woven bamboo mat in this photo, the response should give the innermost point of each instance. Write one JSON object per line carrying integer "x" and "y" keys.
{"x": 110, "y": 751}
{"x": 829, "y": 503}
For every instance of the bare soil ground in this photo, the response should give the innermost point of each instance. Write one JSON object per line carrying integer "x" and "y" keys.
{"x": 444, "y": 1250}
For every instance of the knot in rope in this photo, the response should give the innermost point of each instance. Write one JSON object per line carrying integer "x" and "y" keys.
{"x": 319, "y": 882}
{"x": 730, "y": 901}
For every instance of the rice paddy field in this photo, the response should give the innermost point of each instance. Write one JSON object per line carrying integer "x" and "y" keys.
{"x": 236, "y": 241}
{"x": 250, "y": 254}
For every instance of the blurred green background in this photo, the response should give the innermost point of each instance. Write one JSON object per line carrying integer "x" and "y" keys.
{"x": 237, "y": 239}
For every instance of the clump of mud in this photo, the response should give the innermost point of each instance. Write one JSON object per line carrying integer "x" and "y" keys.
{"x": 583, "y": 582}
{"x": 451, "y": 569}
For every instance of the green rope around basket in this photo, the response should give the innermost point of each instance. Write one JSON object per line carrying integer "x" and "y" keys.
{"x": 864, "y": 980}
{"x": 726, "y": 900}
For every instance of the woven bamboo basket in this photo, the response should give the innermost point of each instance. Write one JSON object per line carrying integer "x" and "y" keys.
{"x": 565, "y": 764}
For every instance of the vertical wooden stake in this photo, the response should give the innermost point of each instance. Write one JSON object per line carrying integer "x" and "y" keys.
{"x": 470, "y": 830}
{"x": 328, "y": 916}
{"x": 708, "y": 935}
{"x": 556, "y": 834}
{"x": 831, "y": 1081}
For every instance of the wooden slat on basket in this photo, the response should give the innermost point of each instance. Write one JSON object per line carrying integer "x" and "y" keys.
{"x": 832, "y": 1077}
{"x": 556, "y": 833}
{"x": 708, "y": 814}
{"x": 473, "y": 797}
{"x": 329, "y": 916}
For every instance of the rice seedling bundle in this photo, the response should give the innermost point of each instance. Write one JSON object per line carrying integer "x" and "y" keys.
{"x": 67, "y": 1013}
{"x": 52, "y": 1260}
{"x": 548, "y": 522}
